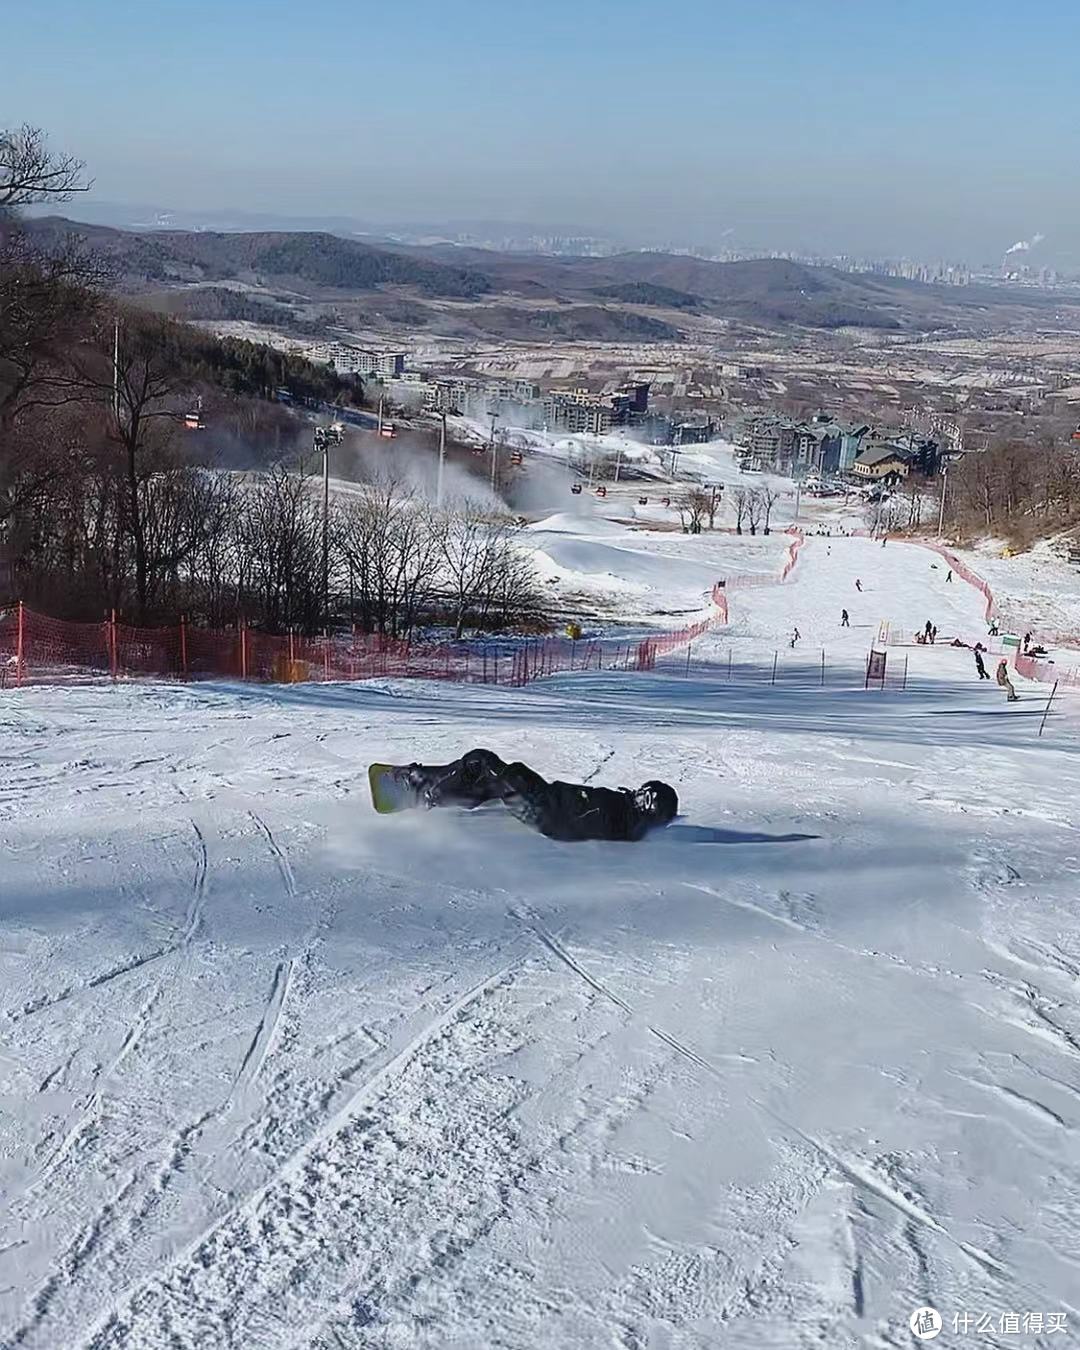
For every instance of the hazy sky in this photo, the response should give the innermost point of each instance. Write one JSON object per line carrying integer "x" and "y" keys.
{"x": 932, "y": 127}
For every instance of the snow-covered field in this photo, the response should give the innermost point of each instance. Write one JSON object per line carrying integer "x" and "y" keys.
{"x": 277, "y": 1072}
{"x": 1035, "y": 590}
{"x": 639, "y": 573}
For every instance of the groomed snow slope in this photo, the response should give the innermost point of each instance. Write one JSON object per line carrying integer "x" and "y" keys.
{"x": 642, "y": 574}
{"x": 278, "y": 1072}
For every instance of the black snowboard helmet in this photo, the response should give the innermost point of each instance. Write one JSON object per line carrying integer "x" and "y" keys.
{"x": 657, "y": 800}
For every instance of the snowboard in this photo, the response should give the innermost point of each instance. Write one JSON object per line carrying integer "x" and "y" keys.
{"x": 390, "y": 789}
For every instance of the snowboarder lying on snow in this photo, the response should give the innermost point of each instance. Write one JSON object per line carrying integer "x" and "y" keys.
{"x": 567, "y": 811}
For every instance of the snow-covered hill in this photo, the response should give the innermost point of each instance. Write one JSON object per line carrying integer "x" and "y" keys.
{"x": 279, "y": 1072}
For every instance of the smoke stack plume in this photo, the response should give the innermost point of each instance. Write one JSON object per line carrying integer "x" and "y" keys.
{"x": 1025, "y": 245}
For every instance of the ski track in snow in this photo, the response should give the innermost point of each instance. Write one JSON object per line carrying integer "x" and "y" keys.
{"x": 198, "y": 888}
{"x": 262, "y": 1043}
{"x": 772, "y": 1078}
{"x": 91, "y": 1109}
{"x": 532, "y": 921}
{"x": 284, "y": 867}
{"x": 187, "y": 1297}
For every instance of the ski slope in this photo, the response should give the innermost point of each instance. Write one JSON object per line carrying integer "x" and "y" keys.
{"x": 640, "y": 574}
{"x": 280, "y": 1073}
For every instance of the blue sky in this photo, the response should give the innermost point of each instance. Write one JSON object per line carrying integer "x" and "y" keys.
{"x": 946, "y": 128}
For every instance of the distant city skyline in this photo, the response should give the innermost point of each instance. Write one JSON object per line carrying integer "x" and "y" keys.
{"x": 916, "y": 130}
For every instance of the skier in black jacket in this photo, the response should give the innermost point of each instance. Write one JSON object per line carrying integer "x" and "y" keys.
{"x": 568, "y": 811}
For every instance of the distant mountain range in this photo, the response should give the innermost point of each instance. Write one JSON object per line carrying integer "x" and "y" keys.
{"x": 496, "y": 234}
{"x": 304, "y": 277}
{"x": 320, "y": 262}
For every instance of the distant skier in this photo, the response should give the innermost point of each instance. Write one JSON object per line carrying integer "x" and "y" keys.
{"x": 884, "y": 540}
{"x": 933, "y": 634}
{"x": 1005, "y": 682}
{"x": 566, "y": 811}
{"x": 1027, "y": 642}
{"x": 795, "y": 636}
{"x": 980, "y": 665}
{"x": 993, "y": 630}
{"x": 948, "y": 575}
{"x": 845, "y": 619}
{"x": 858, "y": 585}
{"x": 928, "y": 630}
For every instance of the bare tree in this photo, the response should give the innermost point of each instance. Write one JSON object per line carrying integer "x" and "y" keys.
{"x": 466, "y": 559}
{"x": 914, "y": 491}
{"x": 740, "y": 499}
{"x": 211, "y": 588}
{"x": 279, "y": 563}
{"x": 885, "y": 516}
{"x": 755, "y": 508}
{"x": 44, "y": 298}
{"x": 716, "y": 499}
{"x": 391, "y": 541}
{"x": 31, "y": 172}
{"x": 139, "y": 388}
{"x": 47, "y": 298}
{"x": 513, "y": 585}
{"x": 768, "y": 497}
{"x": 693, "y": 506}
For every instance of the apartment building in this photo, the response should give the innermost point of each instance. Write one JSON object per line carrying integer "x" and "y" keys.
{"x": 348, "y": 359}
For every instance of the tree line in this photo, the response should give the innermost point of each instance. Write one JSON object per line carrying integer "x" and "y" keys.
{"x": 1018, "y": 492}
{"x": 383, "y": 559}
{"x": 751, "y": 508}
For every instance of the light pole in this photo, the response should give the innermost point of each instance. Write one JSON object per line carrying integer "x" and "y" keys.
{"x": 322, "y": 441}
{"x": 944, "y": 486}
{"x": 494, "y": 419}
{"x": 116, "y": 370}
{"x": 442, "y": 461}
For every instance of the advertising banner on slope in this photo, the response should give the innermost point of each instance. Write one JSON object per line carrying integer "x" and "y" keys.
{"x": 875, "y": 669}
